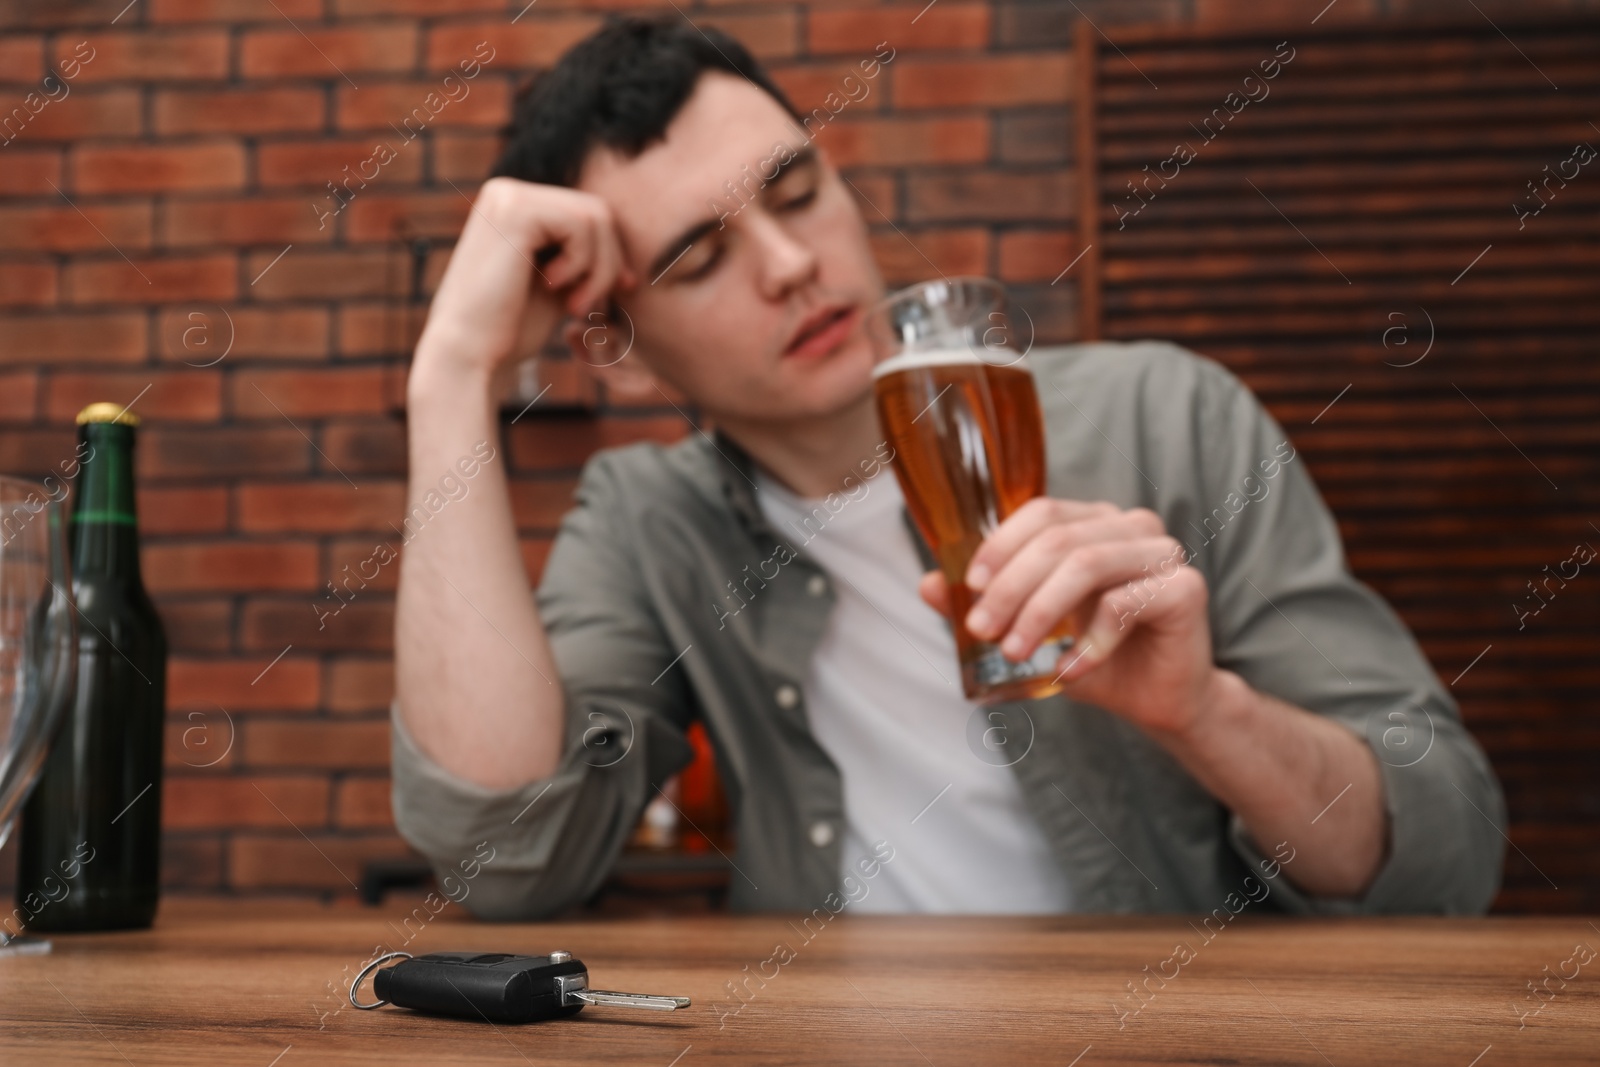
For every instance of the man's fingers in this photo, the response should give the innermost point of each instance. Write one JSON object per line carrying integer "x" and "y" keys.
{"x": 604, "y": 273}
{"x": 575, "y": 232}
{"x": 1020, "y": 527}
{"x": 1085, "y": 572}
{"x": 1032, "y": 563}
{"x": 1113, "y": 619}
{"x": 1121, "y": 609}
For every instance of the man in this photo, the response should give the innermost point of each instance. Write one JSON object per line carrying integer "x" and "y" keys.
{"x": 1252, "y": 713}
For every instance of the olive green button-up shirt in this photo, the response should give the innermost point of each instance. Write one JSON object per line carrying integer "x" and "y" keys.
{"x": 635, "y": 600}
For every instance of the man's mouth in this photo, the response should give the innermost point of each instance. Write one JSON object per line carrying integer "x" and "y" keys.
{"x": 822, "y": 331}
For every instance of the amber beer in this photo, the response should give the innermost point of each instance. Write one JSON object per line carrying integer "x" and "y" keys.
{"x": 968, "y": 437}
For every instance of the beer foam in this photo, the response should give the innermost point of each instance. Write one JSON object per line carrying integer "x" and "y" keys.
{"x": 943, "y": 357}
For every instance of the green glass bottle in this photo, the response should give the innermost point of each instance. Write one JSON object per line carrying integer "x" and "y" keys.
{"x": 90, "y": 849}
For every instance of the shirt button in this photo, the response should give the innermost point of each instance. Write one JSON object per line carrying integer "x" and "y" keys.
{"x": 817, "y": 586}
{"x": 787, "y": 696}
{"x": 822, "y": 834}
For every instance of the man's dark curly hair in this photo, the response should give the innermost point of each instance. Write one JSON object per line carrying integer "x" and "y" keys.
{"x": 619, "y": 87}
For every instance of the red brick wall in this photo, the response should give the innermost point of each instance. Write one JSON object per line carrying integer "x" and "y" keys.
{"x": 166, "y": 204}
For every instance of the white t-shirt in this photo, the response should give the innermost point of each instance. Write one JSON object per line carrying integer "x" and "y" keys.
{"x": 883, "y": 697}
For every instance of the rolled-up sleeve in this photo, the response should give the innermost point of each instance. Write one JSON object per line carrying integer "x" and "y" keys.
{"x": 555, "y": 839}
{"x": 1290, "y": 618}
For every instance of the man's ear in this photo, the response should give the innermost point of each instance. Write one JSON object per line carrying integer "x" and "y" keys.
{"x": 604, "y": 347}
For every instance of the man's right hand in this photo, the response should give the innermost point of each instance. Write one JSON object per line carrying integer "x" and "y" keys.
{"x": 475, "y": 679}
{"x": 527, "y": 249}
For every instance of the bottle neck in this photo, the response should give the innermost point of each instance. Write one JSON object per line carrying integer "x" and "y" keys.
{"x": 105, "y": 532}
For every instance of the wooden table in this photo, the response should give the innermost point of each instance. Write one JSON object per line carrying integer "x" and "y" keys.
{"x": 263, "y": 985}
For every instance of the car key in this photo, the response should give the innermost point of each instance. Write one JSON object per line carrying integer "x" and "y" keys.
{"x": 495, "y": 986}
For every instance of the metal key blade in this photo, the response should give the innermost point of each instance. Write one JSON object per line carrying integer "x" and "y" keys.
{"x": 629, "y": 1000}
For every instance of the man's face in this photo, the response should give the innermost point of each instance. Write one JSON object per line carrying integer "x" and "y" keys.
{"x": 750, "y": 300}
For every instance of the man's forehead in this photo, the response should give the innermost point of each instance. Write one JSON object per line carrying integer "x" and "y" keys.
{"x": 726, "y": 124}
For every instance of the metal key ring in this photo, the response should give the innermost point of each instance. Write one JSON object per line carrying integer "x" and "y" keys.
{"x": 368, "y": 969}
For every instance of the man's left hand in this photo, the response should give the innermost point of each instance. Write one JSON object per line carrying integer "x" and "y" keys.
{"x": 1145, "y": 652}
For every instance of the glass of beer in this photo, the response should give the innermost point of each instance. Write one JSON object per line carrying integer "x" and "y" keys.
{"x": 957, "y": 403}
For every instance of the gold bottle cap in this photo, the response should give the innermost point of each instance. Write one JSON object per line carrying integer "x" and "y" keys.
{"x": 106, "y": 411}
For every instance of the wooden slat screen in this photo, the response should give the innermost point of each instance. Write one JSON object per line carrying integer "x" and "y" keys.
{"x": 1333, "y": 221}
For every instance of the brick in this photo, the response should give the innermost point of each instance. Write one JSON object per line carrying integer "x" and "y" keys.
{"x": 1034, "y": 196}
{"x": 273, "y": 221}
{"x": 238, "y": 111}
{"x": 150, "y": 55}
{"x": 191, "y": 862}
{"x": 378, "y": 329}
{"x": 148, "y": 169}
{"x": 889, "y": 142}
{"x": 85, "y": 113}
{"x": 413, "y": 106}
{"x": 29, "y": 171}
{"x": 439, "y": 252}
{"x": 201, "y": 739}
{"x": 1051, "y": 309}
{"x": 532, "y": 41}
{"x": 147, "y": 281}
{"x": 320, "y": 507}
{"x": 230, "y": 566}
{"x": 57, "y": 16}
{"x": 539, "y": 505}
{"x": 1036, "y": 136}
{"x": 183, "y": 396}
{"x": 768, "y": 34}
{"x": 28, "y": 284}
{"x": 256, "y": 684}
{"x": 289, "y": 861}
{"x": 315, "y": 163}
{"x": 565, "y": 443}
{"x": 203, "y": 802}
{"x": 33, "y": 453}
{"x": 535, "y": 550}
{"x": 363, "y": 804}
{"x": 241, "y": 333}
{"x": 82, "y": 337}
{"x": 358, "y": 564}
{"x": 992, "y": 81}
{"x": 1281, "y": 12}
{"x": 374, "y": 217}
{"x": 328, "y": 53}
{"x": 360, "y": 685}
{"x": 876, "y": 195}
{"x": 272, "y": 394}
{"x": 186, "y": 509}
{"x": 1036, "y": 255}
{"x": 89, "y": 228}
{"x": 808, "y": 86}
{"x": 427, "y": 8}
{"x": 222, "y": 451}
{"x": 321, "y": 743}
{"x": 569, "y": 381}
{"x": 464, "y": 156}
{"x": 1044, "y": 23}
{"x": 944, "y": 25}
{"x": 367, "y": 446}
{"x": 198, "y": 625}
{"x": 232, "y": 11}
{"x": 316, "y": 274}
{"x": 914, "y": 255}
{"x": 365, "y": 623}
{"x": 19, "y": 392}
{"x": 21, "y": 59}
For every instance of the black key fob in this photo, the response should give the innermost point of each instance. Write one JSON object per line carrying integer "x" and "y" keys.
{"x": 496, "y": 987}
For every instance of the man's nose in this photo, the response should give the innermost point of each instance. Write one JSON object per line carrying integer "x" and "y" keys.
{"x": 783, "y": 263}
